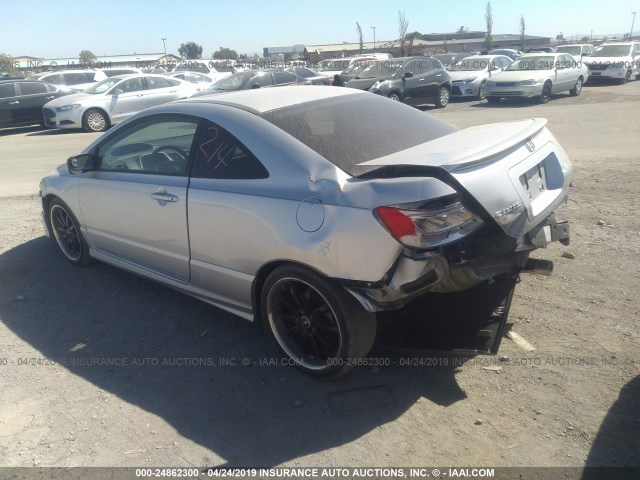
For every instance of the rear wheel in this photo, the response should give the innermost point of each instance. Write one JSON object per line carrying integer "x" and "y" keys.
{"x": 575, "y": 91}
{"x": 317, "y": 324}
{"x": 443, "y": 97}
{"x": 66, "y": 231}
{"x": 95, "y": 121}
{"x": 493, "y": 100}
{"x": 546, "y": 93}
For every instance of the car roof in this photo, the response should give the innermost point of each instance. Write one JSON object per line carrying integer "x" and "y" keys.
{"x": 261, "y": 100}
{"x": 543, "y": 54}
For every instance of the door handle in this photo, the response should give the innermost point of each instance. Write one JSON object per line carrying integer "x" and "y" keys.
{"x": 50, "y": 98}
{"x": 439, "y": 75}
{"x": 14, "y": 103}
{"x": 421, "y": 79}
{"x": 172, "y": 91}
{"x": 163, "y": 196}
{"x": 140, "y": 95}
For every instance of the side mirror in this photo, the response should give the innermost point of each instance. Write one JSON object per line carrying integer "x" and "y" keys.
{"x": 407, "y": 75}
{"x": 80, "y": 163}
{"x": 117, "y": 91}
{"x": 255, "y": 85}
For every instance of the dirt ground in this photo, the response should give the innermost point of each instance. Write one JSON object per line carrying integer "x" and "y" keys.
{"x": 172, "y": 395}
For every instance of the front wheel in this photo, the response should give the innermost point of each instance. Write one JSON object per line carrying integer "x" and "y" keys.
{"x": 546, "y": 93}
{"x": 315, "y": 323}
{"x": 394, "y": 96}
{"x": 443, "y": 98}
{"x": 482, "y": 93}
{"x": 627, "y": 77}
{"x": 95, "y": 121}
{"x": 575, "y": 91}
{"x": 66, "y": 231}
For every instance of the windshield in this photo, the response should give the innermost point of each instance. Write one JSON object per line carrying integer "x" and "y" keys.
{"x": 380, "y": 70}
{"x": 232, "y": 82}
{"x": 333, "y": 65}
{"x": 533, "y": 63}
{"x": 102, "y": 86}
{"x": 612, "y": 51}
{"x": 569, "y": 50}
{"x": 470, "y": 65}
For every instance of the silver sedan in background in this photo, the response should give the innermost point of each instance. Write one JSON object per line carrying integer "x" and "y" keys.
{"x": 310, "y": 209}
{"x": 469, "y": 75}
{"x": 538, "y": 75}
{"x": 114, "y": 99}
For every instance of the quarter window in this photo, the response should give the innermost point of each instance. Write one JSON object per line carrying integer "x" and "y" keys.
{"x": 32, "y": 88}
{"x": 132, "y": 85}
{"x": 220, "y": 155}
{"x": 154, "y": 83}
{"x": 7, "y": 90}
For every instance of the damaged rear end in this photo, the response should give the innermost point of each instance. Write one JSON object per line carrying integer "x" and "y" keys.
{"x": 505, "y": 182}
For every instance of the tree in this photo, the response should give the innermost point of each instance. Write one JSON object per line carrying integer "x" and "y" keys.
{"x": 190, "y": 50}
{"x": 403, "y": 24}
{"x": 522, "y": 37}
{"x": 86, "y": 56}
{"x": 359, "y": 30}
{"x": 225, "y": 54}
{"x": 488, "y": 16}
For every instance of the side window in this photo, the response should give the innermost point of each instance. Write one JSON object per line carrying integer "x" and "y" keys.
{"x": 283, "y": 77}
{"x": 262, "y": 79}
{"x": 132, "y": 85}
{"x": 220, "y": 155}
{"x": 54, "y": 78}
{"x": 154, "y": 83}
{"x": 173, "y": 82}
{"x": 7, "y": 90}
{"x": 32, "y": 88}
{"x": 74, "y": 78}
{"x": 159, "y": 146}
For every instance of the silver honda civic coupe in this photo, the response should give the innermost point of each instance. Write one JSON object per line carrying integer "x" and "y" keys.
{"x": 310, "y": 208}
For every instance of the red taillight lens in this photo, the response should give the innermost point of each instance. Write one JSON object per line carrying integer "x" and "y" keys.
{"x": 398, "y": 224}
{"x": 428, "y": 224}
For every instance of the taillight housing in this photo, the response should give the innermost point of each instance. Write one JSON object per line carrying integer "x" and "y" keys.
{"x": 428, "y": 224}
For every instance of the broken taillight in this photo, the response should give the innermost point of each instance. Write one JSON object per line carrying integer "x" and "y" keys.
{"x": 428, "y": 224}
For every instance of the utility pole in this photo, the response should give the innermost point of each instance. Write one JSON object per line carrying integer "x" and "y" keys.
{"x": 591, "y": 36}
{"x": 164, "y": 45}
{"x": 374, "y": 39}
{"x": 632, "y": 22}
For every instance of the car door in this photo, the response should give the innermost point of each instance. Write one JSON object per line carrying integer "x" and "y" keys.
{"x": 431, "y": 77}
{"x": 224, "y": 220}
{"x": 568, "y": 72}
{"x": 411, "y": 84}
{"x": 33, "y": 96}
{"x": 134, "y": 204}
{"x": 9, "y": 103}
{"x": 160, "y": 90}
{"x": 128, "y": 97}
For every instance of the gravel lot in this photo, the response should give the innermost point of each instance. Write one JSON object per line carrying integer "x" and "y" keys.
{"x": 575, "y": 400}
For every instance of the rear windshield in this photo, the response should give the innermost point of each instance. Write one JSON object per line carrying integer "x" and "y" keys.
{"x": 349, "y": 130}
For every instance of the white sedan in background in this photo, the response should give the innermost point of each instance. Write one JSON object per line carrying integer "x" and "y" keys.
{"x": 113, "y": 100}
{"x": 538, "y": 75}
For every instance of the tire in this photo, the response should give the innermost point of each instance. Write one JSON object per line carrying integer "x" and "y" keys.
{"x": 545, "y": 96}
{"x": 66, "y": 232}
{"x": 314, "y": 322}
{"x": 443, "y": 97}
{"x": 394, "y": 96}
{"x": 95, "y": 120}
{"x": 493, "y": 100}
{"x": 482, "y": 94}
{"x": 575, "y": 91}
{"x": 626, "y": 78}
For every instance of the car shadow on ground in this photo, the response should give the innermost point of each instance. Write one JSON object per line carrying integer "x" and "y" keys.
{"x": 5, "y": 132}
{"x": 618, "y": 440}
{"x": 54, "y": 131}
{"x": 210, "y": 375}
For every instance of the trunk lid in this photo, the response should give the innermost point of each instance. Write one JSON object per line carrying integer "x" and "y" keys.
{"x": 516, "y": 171}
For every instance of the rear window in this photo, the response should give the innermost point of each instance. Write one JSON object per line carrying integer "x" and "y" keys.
{"x": 349, "y": 130}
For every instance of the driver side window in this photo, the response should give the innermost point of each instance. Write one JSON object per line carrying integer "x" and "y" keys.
{"x": 159, "y": 146}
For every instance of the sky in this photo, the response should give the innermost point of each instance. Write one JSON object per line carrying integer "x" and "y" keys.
{"x": 42, "y": 28}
